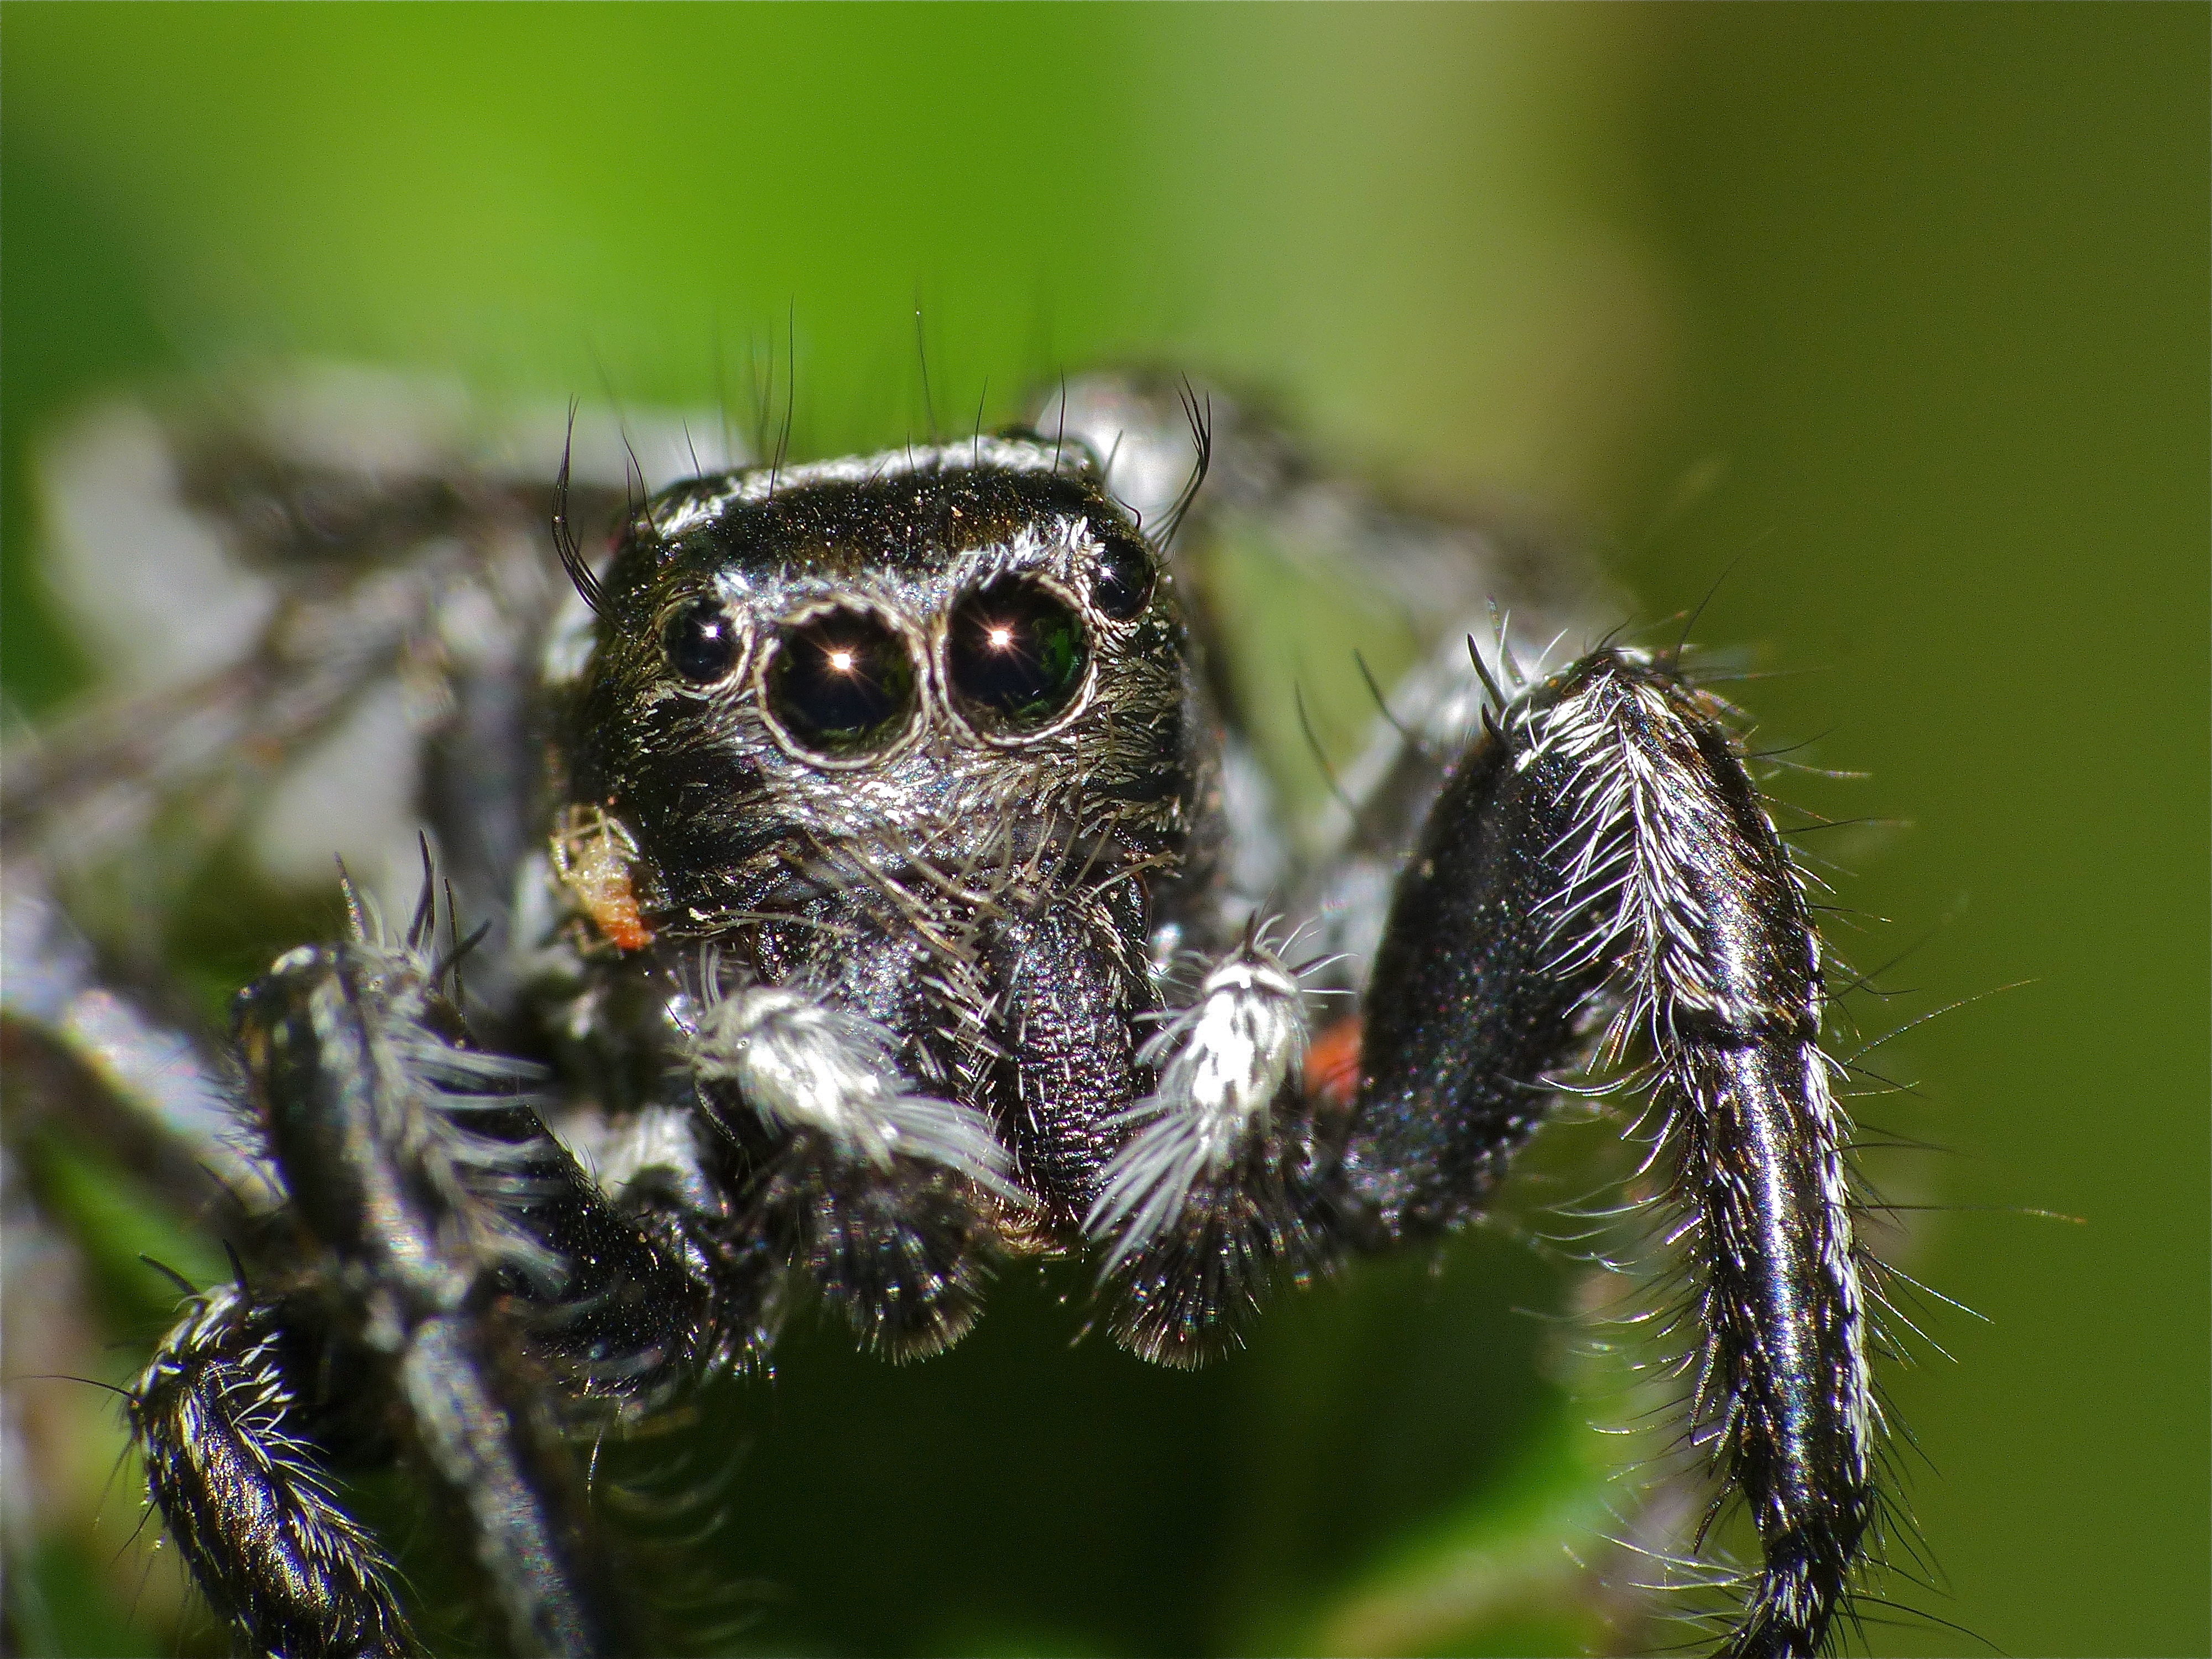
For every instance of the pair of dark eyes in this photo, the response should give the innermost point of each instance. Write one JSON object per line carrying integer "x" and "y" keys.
{"x": 842, "y": 682}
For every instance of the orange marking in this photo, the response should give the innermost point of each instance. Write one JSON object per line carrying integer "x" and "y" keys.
{"x": 614, "y": 912}
{"x": 1333, "y": 1063}
{"x": 592, "y": 854}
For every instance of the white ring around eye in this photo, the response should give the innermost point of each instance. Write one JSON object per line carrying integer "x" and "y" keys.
{"x": 828, "y": 760}
{"x": 940, "y": 639}
{"x": 741, "y": 633}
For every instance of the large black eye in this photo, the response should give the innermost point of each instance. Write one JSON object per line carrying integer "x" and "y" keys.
{"x": 701, "y": 642}
{"x": 1015, "y": 655}
{"x": 840, "y": 682}
{"x": 1124, "y": 581}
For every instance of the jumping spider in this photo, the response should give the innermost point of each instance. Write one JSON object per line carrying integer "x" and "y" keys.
{"x": 871, "y": 881}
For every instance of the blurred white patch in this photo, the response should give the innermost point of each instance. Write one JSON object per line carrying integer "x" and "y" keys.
{"x": 1147, "y": 463}
{"x": 1258, "y": 860}
{"x": 364, "y": 421}
{"x": 145, "y": 580}
{"x": 350, "y": 796}
{"x": 569, "y": 641}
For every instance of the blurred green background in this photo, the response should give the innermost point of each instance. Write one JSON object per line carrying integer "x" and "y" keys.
{"x": 1897, "y": 316}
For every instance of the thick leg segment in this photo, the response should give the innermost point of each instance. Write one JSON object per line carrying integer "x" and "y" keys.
{"x": 1465, "y": 1016}
{"x": 360, "y": 1096}
{"x": 1602, "y": 849}
{"x": 220, "y": 1423}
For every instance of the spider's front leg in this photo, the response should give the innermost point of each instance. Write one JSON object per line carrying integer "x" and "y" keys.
{"x": 1602, "y": 840}
{"x": 450, "y": 1272}
{"x": 233, "y": 1452}
{"x": 347, "y": 1068}
{"x": 1596, "y": 849}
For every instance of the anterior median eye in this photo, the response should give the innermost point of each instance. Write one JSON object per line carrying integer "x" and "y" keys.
{"x": 840, "y": 682}
{"x": 701, "y": 640}
{"x": 1015, "y": 654}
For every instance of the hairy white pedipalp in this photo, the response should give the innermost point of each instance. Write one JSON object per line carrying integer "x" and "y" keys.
{"x": 1223, "y": 1061}
{"x": 802, "y": 1064}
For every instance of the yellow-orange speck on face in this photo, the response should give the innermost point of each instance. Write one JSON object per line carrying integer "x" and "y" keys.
{"x": 592, "y": 855}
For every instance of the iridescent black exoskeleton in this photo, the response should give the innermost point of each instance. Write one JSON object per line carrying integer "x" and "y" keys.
{"x": 874, "y": 890}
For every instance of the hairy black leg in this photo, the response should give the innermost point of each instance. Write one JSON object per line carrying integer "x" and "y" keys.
{"x": 231, "y": 1462}
{"x": 1603, "y": 841}
{"x": 251, "y": 1404}
{"x": 357, "y": 1089}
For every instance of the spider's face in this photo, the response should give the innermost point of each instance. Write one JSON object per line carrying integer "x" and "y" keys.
{"x": 966, "y": 657}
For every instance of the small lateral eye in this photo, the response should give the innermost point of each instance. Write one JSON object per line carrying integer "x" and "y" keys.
{"x": 701, "y": 640}
{"x": 1124, "y": 582}
{"x": 1014, "y": 654}
{"x": 840, "y": 682}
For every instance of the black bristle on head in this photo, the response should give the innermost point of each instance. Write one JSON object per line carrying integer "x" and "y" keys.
{"x": 1200, "y": 414}
{"x": 564, "y": 535}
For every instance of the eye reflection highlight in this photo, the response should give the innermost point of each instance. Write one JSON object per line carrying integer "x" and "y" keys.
{"x": 840, "y": 682}
{"x": 1014, "y": 655}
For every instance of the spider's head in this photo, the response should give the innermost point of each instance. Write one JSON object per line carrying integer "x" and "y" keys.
{"x": 966, "y": 657}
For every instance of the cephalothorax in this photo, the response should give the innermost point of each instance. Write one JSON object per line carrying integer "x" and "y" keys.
{"x": 876, "y": 886}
